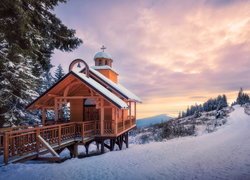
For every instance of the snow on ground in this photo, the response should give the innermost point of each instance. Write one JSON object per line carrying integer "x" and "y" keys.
{"x": 223, "y": 154}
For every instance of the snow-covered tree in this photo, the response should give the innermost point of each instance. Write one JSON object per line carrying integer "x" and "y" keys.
{"x": 29, "y": 33}
{"x": 242, "y": 97}
{"x": 210, "y": 105}
{"x": 47, "y": 80}
{"x": 59, "y": 73}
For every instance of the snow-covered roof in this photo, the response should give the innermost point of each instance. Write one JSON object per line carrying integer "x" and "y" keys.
{"x": 104, "y": 67}
{"x": 101, "y": 89}
{"x": 102, "y": 55}
{"x": 118, "y": 87}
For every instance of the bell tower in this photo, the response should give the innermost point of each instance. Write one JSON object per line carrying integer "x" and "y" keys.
{"x": 102, "y": 58}
{"x": 103, "y": 64}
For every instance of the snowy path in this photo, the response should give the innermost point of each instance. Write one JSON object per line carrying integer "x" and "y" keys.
{"x": 224, "y": 154}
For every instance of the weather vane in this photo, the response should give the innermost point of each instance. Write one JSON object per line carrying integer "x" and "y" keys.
{"x": 103, "y": 48}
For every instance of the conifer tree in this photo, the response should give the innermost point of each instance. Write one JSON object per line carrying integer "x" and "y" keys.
{"x": 59, "y": 73}
{"x": 29, "y": 33}
{"x": 242, "y": 97}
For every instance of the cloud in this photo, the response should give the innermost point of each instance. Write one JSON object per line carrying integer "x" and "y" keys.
{"x": 164, "y": 48}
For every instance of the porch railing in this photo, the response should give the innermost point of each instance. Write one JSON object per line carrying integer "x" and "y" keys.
{"x": 22, "y": 142}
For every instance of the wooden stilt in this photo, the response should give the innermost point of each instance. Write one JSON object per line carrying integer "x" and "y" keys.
{"x": 73, "y": 149}
{"x": 97, "y": 145}
{"x": 102, "y": 146}
{"x": 6, "y": 148}
{"x": 75, "y": 153}
{"x": 87, "y": 148}
{"x": 112, "y": 144}
{"x": 126, "y": 139}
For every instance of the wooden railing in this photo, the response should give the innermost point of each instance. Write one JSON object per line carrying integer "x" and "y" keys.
{"x": 22, "y": 142}
{"x": 121, "y": 126}
{"x": 109, "y": 127}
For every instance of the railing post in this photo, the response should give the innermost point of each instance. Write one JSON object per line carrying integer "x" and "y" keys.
{"x": 6, "y": 147}
{"x": 82, "y": 131}
{"x": 37, "y": 141}
{"x": 123, "y": 120}
{"x": 59, "y": 134}
{"x": 130, "y": 119}
{"x": 102, "y": 117}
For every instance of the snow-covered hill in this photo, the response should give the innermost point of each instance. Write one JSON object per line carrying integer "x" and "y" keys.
{"x": 223, "y": 154}
{"x": 146, "y": 122}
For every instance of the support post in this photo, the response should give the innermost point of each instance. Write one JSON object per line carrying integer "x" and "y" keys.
{"x": 59, "y": 134}
{"x": 135, "y": 111}
{"x": 102, "y": 146}
{"x": 87, "y": 148}
{"x": 97, "y": 145}
{"x": 43, "y": 116}
{"x": 6, "y": 147}
{"x": 123, "y": 120}
{"x": 102, "y": 117}
{"x": 126, "y": 139}
{"x": 130, "y": 119}
{"x": 56, "y": 109}
{"x": 112, "y": 144}
{"x": 116, "y": 124}
{"x": 75, "y": 150}
{"x": 37, "y": 141}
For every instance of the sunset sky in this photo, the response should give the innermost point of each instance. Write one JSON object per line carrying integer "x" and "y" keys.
{"x": 170, "y": 53}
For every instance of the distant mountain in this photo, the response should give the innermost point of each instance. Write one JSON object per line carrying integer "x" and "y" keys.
{"x": 146, "y": 122}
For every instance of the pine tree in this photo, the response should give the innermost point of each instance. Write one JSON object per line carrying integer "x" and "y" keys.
{"x": 224, "y": 101}
{"x": 239, "y": 99}
{"x": 59, "y": 73}
{"x": 47, "y": 80}
{"x": 29, "y": 33}
{"x": 242, "y": 97}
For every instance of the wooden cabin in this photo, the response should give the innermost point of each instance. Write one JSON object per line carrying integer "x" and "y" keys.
{"x": 99, "y": 109}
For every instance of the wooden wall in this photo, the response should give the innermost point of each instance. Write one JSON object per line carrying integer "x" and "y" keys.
{"x": 108, "y": 114}
{"x": 109, "y": 74}
{"x": 76, "y": 110}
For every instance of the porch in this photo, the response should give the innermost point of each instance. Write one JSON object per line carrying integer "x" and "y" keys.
{"x": 19, "y": 144}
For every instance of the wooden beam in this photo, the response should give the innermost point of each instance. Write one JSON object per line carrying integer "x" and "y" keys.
{"x": 66, "y": 90}
{"x": 130, "y": 113}
{"x": 135, "y": 111}
{"x": 52, "y": 95}
{"x": 6, "y": 147}
{"x": 56, "y": 110}
{"x": 116, "y": 124}
{"x": 123, "y": 120}
{"x": 75, "y": 97}
{"x": 51, "y": 150}
{"x": 43, "y": 116}
{"x": 102, "y": 117}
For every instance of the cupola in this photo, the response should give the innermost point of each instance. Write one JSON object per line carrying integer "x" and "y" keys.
{"x": 103, "y": 64}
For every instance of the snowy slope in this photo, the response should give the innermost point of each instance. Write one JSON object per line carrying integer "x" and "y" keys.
{"x": 146, "y": 122}
{"x": 223, "y": 154}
